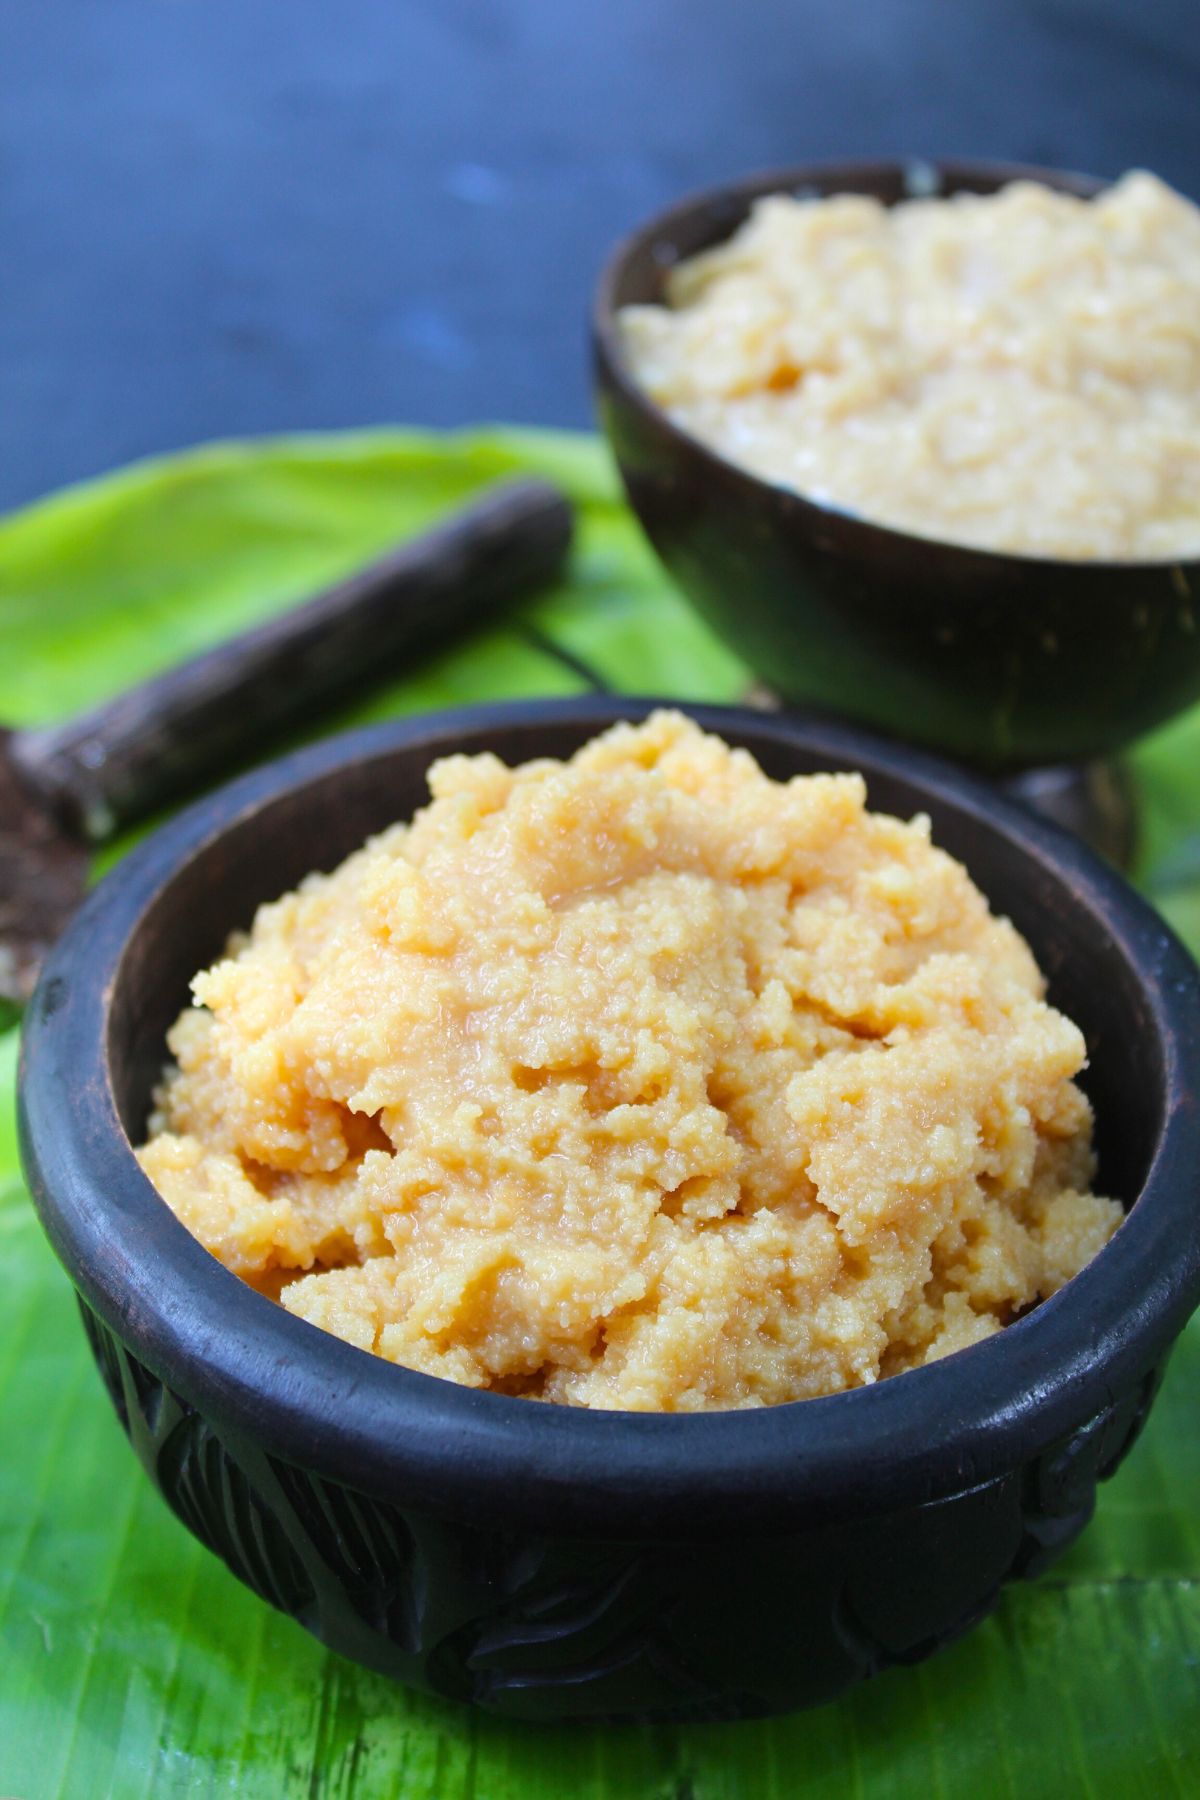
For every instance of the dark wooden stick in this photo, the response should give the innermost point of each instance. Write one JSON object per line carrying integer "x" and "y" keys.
{"x": 118, "y": 762}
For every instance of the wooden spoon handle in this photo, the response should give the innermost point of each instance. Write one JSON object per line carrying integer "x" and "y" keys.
{"x": 118, "y": 762}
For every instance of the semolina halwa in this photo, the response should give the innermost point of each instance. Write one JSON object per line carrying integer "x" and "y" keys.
{"x": 1016, "y": 371}
{"x": 637, "y": 1081}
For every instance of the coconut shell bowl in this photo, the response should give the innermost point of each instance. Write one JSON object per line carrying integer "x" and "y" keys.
{"x": 1019, "y": 666}
{"x": 546, "y": 1562}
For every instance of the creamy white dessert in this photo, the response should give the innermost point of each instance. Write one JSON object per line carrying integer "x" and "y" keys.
{"x": 1017, "y": 371}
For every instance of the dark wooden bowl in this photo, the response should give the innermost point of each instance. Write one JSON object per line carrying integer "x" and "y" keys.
{"x": 546, "y": 1562}
{"x": 999, "y": 660}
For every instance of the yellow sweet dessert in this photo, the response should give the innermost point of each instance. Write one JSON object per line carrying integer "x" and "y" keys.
{"x": 637, "y": 1081}
{"x": 1016, "y": 371}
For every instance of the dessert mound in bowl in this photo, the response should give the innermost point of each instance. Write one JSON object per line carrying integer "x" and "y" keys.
{"x": 1019, "y": 370}
{"x": 922, "y": 444}
{"x": 639, "y": 1081}
{"x": 549, "y": 1207}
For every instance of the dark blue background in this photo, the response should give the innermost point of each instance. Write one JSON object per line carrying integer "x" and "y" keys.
{"x": 225, "y": 216}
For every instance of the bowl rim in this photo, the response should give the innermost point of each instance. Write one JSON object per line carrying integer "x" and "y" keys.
{"x": 610, "y": 358}
{"x": 317, "y": 1402}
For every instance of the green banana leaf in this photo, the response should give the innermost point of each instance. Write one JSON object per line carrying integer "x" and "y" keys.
{"x": 131, "y": 1664}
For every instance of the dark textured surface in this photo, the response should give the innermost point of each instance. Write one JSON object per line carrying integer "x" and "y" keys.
{"x": 228, "y": 216}
{"x": 546, "y": 1562}
{"x": 43, "y": 877}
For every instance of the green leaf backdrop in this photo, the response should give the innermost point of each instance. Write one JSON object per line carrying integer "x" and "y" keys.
{"x": 131, "y": 1663}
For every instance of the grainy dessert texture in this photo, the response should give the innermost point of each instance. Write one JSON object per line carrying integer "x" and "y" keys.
{"x": 637, "y": 1081}
{"x": 1017, "y": 371}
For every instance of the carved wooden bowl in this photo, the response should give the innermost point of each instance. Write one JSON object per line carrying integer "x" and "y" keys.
{"x": 545, "y": 1562}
